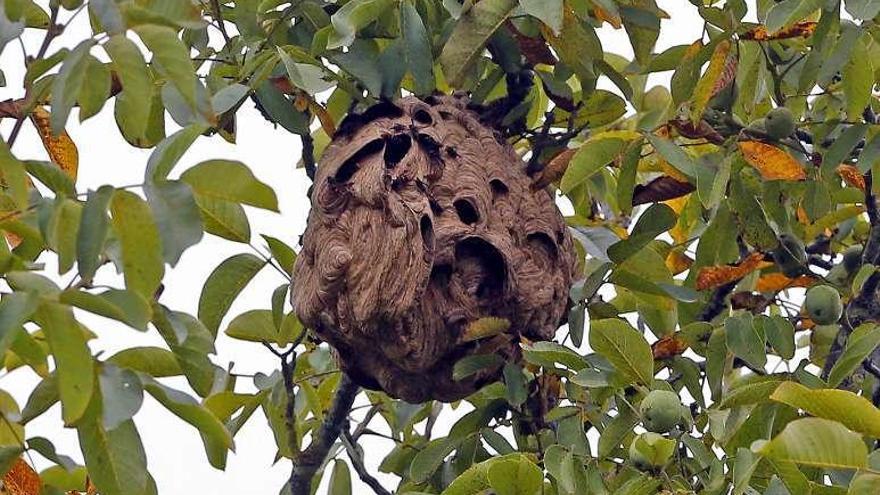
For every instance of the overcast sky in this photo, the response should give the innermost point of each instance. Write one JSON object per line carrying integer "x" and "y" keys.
{"x": 174, "y": 449}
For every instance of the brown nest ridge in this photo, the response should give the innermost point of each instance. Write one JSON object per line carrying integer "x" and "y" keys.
{"x": 423, "y": 221}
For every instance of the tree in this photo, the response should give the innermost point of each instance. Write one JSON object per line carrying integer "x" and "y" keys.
{"x": 703, "y": 211}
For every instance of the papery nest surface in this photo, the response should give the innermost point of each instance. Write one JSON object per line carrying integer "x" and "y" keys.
{"x": 423, "y": 222}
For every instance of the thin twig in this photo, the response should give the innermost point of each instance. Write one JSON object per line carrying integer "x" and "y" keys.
{"x": 357, "y": 462}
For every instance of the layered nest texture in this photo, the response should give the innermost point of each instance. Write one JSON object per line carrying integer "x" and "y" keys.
{"x": 423, "y": 222}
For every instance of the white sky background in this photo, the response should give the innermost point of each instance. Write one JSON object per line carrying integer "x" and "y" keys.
{"x": 174, "y": 450}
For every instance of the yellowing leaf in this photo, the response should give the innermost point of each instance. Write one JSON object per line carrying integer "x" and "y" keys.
{"x": 775, "y": 282}
{"x": 605, "y": 16}
{"x": 722, "y": 66}
{"x": 485, "y": 327}
{"x": 829, "y": 220}
{"x": 22, "y": 479}
{"x": 818, "y": 442}
{"x": 772, "y": 162}
{"x": 716, "y": 276}
{"x": 853, "y": 411}
{"x": 61, "y": 148}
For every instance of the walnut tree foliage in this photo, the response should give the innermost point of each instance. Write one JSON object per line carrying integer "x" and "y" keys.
{"x": 703, "y": 209}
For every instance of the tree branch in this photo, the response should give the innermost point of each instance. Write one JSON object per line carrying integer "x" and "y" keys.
{"x": 309, "y": 460}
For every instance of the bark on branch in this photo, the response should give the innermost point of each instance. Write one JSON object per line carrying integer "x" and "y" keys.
{"x": 307, "y": 462}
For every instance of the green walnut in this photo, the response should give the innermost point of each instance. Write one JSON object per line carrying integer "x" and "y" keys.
{"x": 823, "y": 305}
{"x": 661, "y": 411}
{"x": 790, "y": 255}
{"x": 852, "y": 258}
{"x": 779, "y": 123}
{"x": 650, "y": 451}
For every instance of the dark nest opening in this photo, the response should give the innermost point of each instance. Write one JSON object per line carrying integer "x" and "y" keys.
{"x": 424, "y": 222}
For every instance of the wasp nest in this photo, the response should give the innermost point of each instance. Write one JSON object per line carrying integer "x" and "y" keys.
{"x": 424, "y": 221}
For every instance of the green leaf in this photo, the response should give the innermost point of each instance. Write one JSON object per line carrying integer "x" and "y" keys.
{"x": 139, "y": 241}
{"x": 281, "y": 252}
{"x": 66, "y": 85}
{"x": 470, "y": 35}
{"x": 674, "y": 154}
{"x": 746, "y": 340}
{"x": 851, "y": 410}
{"x": 93, "y": 228}
{"x": 223, "y": 285}
{"x": 171, "y": 59}
{"x": 548, "y": 11}
{"x": 52, "y": 176}
{"x": 515, "y": 384}
{"x": 485, "y": 327}
{"x": 122, "y": 305}
{"x": 122, "y": 395}
{"x": 417, "y": 48}
{"x": 308, "y": 77}
{"x": 115, "y": 458}
{"x": 788, "y": 12}
{"x": 169, "y": 151}
{"x": 8, "y": 455}
{"x": 658, "y": 218}
{"x": 72, "y": 357}
{"x": 232, "y": 181}
{"x": 780, "y": 334}
{"x": 353, "y": 16}
{"x": 154, "y": 361}
{"x": 862, "y": 9}
{"x": 177, "y": 217}
{"x": 216, "y": 437}
{"x": 93, "y": 95}
{"x": 548, "y": 354}
{"x": 107, "y": 12}
{"x": 857, "y": 79}
{"x": 860, "y": 344}
{"x": 469, "y": 365}
{"x": 15, "y": 309}
{"x": 340, "y": 479}
{"x": 429, "y": 459}
{"x": 255, "y": 325}
{"x": 42, "y": 397}
{"x": 191, "y": 343}
{"x": 515, "y": 477}
{"x": 819, "y": 443}
{"x": 280, "y": 109}
{"x": 224, "y": 219}
{"x": 624, "y": 347}
{"x": 129, "y": 65}
{"x": 591, "y": 157}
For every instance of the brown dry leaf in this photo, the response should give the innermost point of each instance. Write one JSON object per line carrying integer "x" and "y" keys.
{"x": 801, "y": 215}
{"x": 554, "y": 170}
{"x": 22, "y": 479}
{"x": 301, "y": 101}
{"x": 535, "y": 49}
{"x": 775, "y": 282}
{"x": 677, "y": 262}
{"x": 802, "y": 29}
{"x": 755, "y": 303}
{"x": 62, "y": 150}
{"x": 710, "y": 277}
{"x": 660, "y": 189}
{"x": 668, "y": 347}
{"x": 324, "y": 117}
{"x": 851, "y": 175}
{"x": 282, "y": 83}
{"x": 604, "y": 15}
{"x": 772, "y": 162}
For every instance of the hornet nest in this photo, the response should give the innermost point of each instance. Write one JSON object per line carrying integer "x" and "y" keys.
{"x": 424, "y": 221}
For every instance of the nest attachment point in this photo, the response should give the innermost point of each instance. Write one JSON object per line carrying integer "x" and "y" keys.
{"x": 424, "y": 221}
